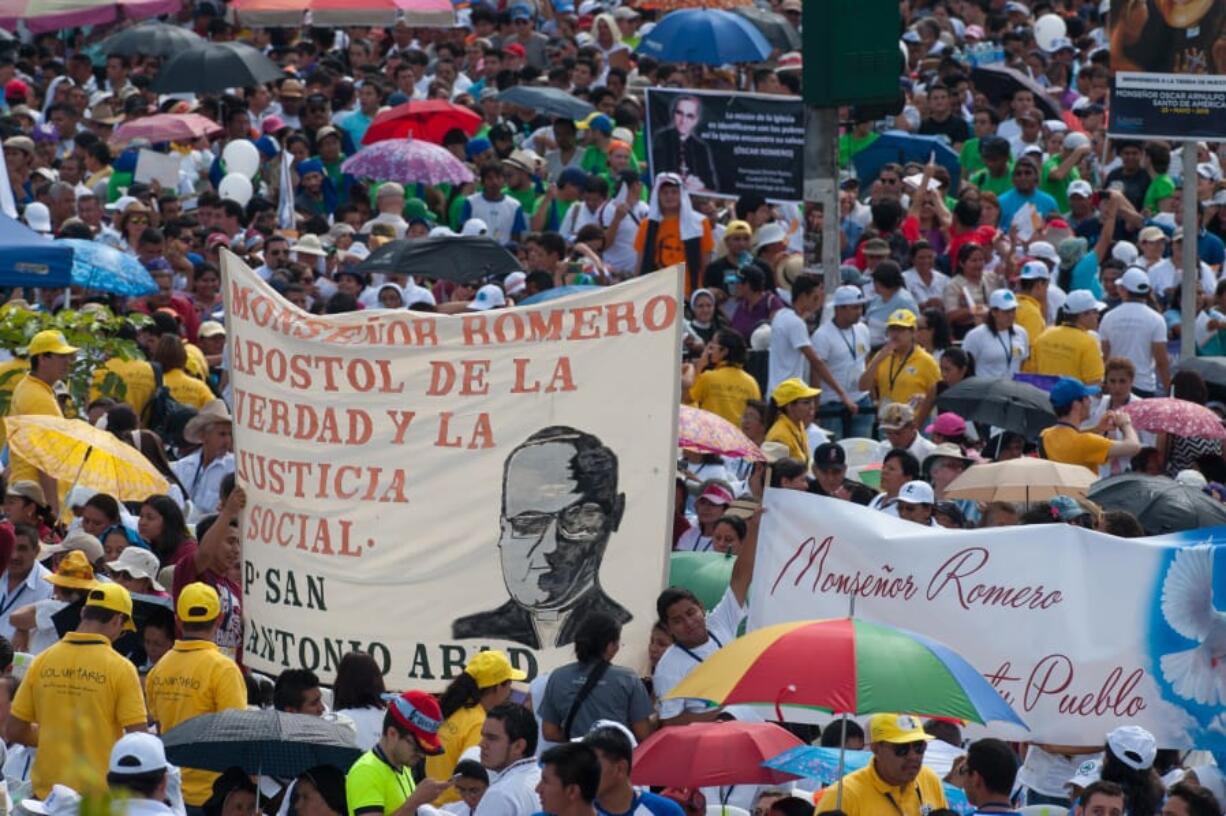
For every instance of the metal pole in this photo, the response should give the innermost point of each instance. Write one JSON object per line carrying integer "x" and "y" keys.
{"x": 821, "y": 183}
{"x": 1191, "y": 237}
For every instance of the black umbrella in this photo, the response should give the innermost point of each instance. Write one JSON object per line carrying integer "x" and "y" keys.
{"x": 1212, "y": 370}
{"x": 777, "y": 29}
{"x": 551, "y": 101}
{"x": 272, "y": 743}
{"x": 212, "y": 67}
{"x": 999, "y": 83}
{"x": 460, "y": 259}
{"x": 1161, "y": 504}
{"x": 1014, "y": 406}
{"x": 150, "y": 38}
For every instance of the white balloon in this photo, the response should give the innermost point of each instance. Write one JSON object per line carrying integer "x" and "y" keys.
{"x": 1048, "y": 29}
{"x": 241, "y": 156}
{"x": 236, "y": 187}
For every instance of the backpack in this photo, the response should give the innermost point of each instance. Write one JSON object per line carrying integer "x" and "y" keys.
{"x": 167, "y": 416}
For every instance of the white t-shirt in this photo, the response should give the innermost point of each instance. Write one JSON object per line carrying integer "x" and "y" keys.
{"x": 513, "y": 793}
{"x": 844, "y": 351}
{"x": 1132, "y": 328}
{"x": 678, "y": 661}
{"x": 368, "y": 722}
{"x": 692, "y": 540}
{"x": 789, "y": 335}
{"x": 925, "y": 291}
{"x": 997, "y": 355}
{"x": 1163, "y": 276}
{"x": 619, "y": 254}
{"x": 920, "y": 447}
{"x": 1203, "y": 334}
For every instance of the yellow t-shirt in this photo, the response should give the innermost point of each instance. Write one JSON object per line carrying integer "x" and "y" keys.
{"x": 1063, "y": 443}
{"x": 191, "y": 679}
{"x": 138, "y": 379}
{"x": 82, "y": 694}
{"x": 458, "y": 733}
{"x": 31, "y": 396}
{"x": 789, "y": 433}
{"x": 724, "y": 391}
{"x": 1067, "y": 351}
{"x": 907, "y": 379}
{"x": 187, "y": 389}
{"x": 197, "y": 364}
{"x": 1030, "y": 317}
{"x": 867, "y": 794}
{"x": 10, "y": 374}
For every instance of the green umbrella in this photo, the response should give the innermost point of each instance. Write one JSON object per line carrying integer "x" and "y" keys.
{"x": 706, "y": 574}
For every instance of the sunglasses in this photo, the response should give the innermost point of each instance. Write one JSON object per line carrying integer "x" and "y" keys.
{"x": 917, "y": 748}
{"x": 138, "y": 219}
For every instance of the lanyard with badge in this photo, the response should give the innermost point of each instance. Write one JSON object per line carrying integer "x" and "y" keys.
{"x": 691, "y": 653}
{"x": 895, "y": 373}
{"x": 9, "y": 602}
{"x": 924, "y": 809}
{"x": 1008, "y": 348}
{"x": 851, "y": 345}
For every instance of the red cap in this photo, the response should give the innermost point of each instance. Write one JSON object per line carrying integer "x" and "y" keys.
{"x": 516, "y": 49}
{"x": 16, "y": 89}
{"x": 419, "y": 713}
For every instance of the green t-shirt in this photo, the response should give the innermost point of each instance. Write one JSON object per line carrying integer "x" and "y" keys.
{"x": 850, "y": 145}
{"x": 969, "y": 157}
{"x": 527, "y": 199}
{"x": 594, "y": 161}
{"x": 984, "y": 180}
{"x": 1058, "y": 188}
{"x": 1161, "y": 187}
{"x": 373, "y": 783}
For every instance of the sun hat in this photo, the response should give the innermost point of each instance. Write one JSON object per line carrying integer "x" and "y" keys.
{"x": 793, "y": 389}
{"x": 139, "y": 563}
{"x": 73, "y": 572}
{"x": 29, "y": 490}
{"x": 214, "y": 412}
{"x": 947, "y": 424}
{"x": 1152, "y": 233}
{"x": 418, "y": 713}
{"x": 768, "y": 234}
{"x": 894, "y": 416}
{"x": 896, "y": 728}
{"x": 492, "y": 668}
{"x": 114, "y": 598}
{"x": 309, "y": 244}
{"x": 876, "y": 246}
{"x": 77, "y": 540}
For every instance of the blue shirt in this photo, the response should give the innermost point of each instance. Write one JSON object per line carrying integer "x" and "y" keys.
{"x": 1211, "y": 249}
{"x": 355, "y": 125}
{"x": 647, "y": 804}
{"x": 1013, "y": 201}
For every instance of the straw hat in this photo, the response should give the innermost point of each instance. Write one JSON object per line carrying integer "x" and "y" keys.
{"x": 74, "y": 572}
{"x": 213, "y": 413}
{"x": 309, "y": 245}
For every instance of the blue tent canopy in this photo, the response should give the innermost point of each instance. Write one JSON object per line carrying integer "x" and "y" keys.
{"x": 28, "y": 259}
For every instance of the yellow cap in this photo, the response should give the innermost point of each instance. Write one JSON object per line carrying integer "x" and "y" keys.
{"x": 791, "y": 390}
{"x": 115, "y": 598}
{"x": 492, "y": 668}
{"x": 198, "y": 603}
{"x": 903, "y": 318}
{"x": 74, "y": 572}
{"x": 896, "y": 728}
{"x": 49, "y": 342}
{"x": 738, "y": 228}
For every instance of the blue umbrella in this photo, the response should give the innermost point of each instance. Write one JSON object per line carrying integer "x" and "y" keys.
{"x": 106, "y": 269}
{"x": 706, "y": 37}
{"x": 902, "y": 147}
{"x": 555, "y": 293}
{"x": 29, "y": 259}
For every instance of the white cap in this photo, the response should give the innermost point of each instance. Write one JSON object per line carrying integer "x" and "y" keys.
{"x": 121, "y": 203}
{"x": 1134, "y": 746}
{"x": 1055, "y": 126}
{"x": 38, "y": 217}
{"x": 767, "y": 234}
{"x": 1059, "y": 43}
{"x": 442, "y": 232}
{"x": 916, "y": 492}
{"x": 474, "y": 226}
{"x": 1135, "y": 280}
{"x": 1125, "y": 251}
{"x": 418, "y": 294}
{"x": 1074, "y": 140}
{"x": 137, "y": 753}
{"x": 1002, "y": 299}
{"x": 488, "y": 297}
{"x": 1082, "y": 300}
{"x": 1032, "y": 150}
{"x": 1087, "y": 774}
{"x": 1035, "y": 270}
{"x": 1044, "y": 250}
{"x": 515, "y": 283}
{"x": 62, "y": 801}
{"x": 849, "y": 296}
{"x": 1080, "y": 187}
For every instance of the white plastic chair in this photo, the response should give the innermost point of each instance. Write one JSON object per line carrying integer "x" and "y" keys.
{"x": 860, "y": 451}
{"x": 1044, "y": 810}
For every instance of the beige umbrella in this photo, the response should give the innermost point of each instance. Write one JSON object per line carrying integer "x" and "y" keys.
{"x": 1021, "y": 480}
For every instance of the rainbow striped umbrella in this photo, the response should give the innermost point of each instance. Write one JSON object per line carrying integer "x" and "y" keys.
{"x": 846, "y": 666}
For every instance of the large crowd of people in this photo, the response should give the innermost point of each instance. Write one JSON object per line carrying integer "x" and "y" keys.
{"x": 1052, "y": 256}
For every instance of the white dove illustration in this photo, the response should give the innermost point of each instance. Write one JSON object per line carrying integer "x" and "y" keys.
{"x": 1187, "y": 604}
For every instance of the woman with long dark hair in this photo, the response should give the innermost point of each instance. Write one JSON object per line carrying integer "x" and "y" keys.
{"x": 358, "y": 694}
{"x": 162, "y": 527}
{"x": 997, "y": 346}
{"x": 484, "y": 684}
{"x": 721, "y": 385}
{"x": 1128, "y": 761}
{"x": 592, "y": 688}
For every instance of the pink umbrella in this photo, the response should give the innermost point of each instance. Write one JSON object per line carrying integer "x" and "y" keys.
{"x": 1175, "y": 416}
{"x": 419, "y": 13}
{"x": 408, "y": 161}
{"x": 700, "y": 430}
{"x": 167, "y": 127}
{"x": 52, "y": 15}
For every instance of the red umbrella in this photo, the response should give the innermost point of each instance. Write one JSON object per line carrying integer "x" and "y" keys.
{"x": 1175, "y": 416}
{"x": 428, "y": 120}
{"x": 167, "y": 127}
{"x": 709, "y": 754}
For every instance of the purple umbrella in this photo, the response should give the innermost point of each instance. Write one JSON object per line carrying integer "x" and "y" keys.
{"x": 408, "y": 161}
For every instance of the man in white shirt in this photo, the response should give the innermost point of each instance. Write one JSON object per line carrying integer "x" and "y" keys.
{"x": 200, "y": 473}
{"x": 1137, "y": 333}
{"x": 501, "y": 213}
{"x": 1117, "y": 392}
{"x": 389, "y": 201}
{"x": 22, "y": 583}
{"x": 791, "y": 352}
{"x": 508, "y": 748}
{"x": 842, "y": 343}
{"x": 141, "y": 778}
{"x": 696, "y": 635}
{"x": 1162, "y": 272}
{"x": 897, "y": 423}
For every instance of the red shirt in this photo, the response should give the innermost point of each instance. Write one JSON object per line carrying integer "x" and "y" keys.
{"x": 229, "y": 636}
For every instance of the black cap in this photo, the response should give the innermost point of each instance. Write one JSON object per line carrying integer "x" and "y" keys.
{"x": 829, "y": 455}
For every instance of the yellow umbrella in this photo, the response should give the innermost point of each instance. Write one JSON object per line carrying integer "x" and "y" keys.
{"x": 77, "y": 453}
{"x": 1021, "y": 480}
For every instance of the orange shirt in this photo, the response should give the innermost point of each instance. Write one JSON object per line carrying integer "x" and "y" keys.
{"x": 670, "y": 249}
